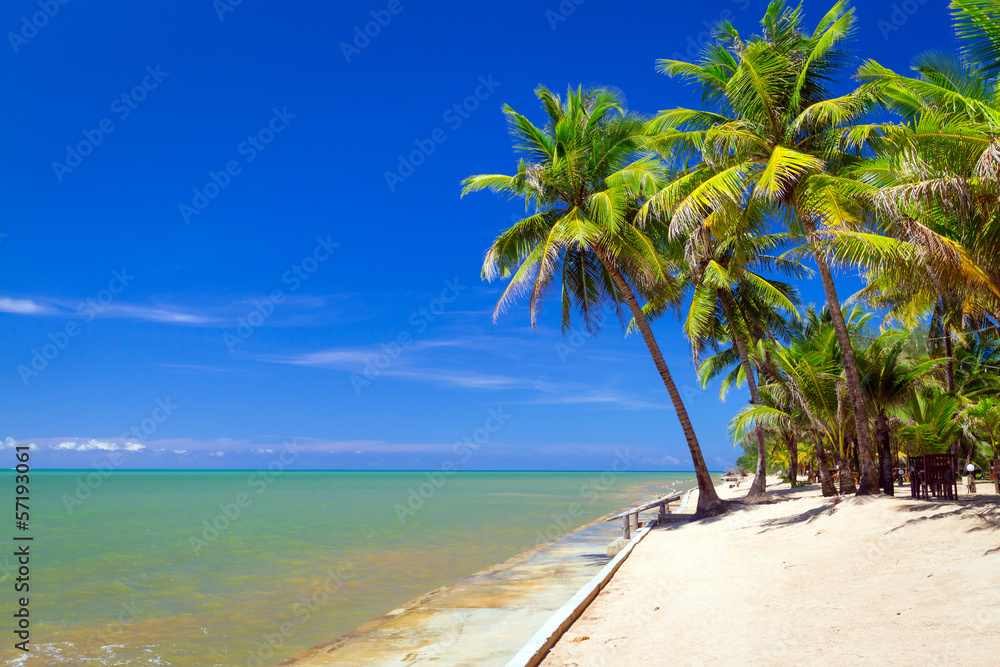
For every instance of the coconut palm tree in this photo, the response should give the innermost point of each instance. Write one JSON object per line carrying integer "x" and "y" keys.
{"x": 977, "y": 24}
{"x": 772, "y": 130}
{"x": 889, "y": 377}
{"x": 584, "y": 174}
{"x": 982, "y": 421}
{"x": 734, "y": 301}
{"x": 931, "y": 423}
{"x": 799, "y": 396}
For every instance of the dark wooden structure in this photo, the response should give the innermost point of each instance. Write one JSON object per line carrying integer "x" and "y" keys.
{"x": 934, "y": 476}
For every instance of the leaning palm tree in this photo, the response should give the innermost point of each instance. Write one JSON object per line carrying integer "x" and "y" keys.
{"x": 584, "y": 174}
{"x": 735, "y": 301}
{"x": 773, "y": 131}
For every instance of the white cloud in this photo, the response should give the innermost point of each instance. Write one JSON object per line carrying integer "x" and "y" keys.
{"x": 180, "y": 451}
{"x": 94, "y": 444}
{"x": 154, "y": 314}
{"x": 22, "y": 307}
{"x": 98, "y": 444}
{"x": 217, "y": 454}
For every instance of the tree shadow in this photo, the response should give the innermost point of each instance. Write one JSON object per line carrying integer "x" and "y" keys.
{"x": 986, "y": 510}
{"x": 807, "y": 516}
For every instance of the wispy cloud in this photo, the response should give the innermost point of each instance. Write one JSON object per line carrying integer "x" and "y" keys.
{"x": 23, "y": 307}
{"x": 162, "y": 314}
{"x": 66, "y": 308}
{"x": 355, "y": 358}
{"x": 452, "y": 363}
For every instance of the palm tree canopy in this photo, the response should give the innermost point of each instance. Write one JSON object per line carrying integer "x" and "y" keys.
{"x": 580, "y": 178}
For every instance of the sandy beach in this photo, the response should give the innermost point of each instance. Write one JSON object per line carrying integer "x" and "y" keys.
{"x": 805, "y": 581}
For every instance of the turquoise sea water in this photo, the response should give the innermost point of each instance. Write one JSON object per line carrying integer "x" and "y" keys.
{"x": 230, "y": 568}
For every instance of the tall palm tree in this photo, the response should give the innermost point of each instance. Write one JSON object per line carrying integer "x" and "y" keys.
{"x": 584, "y": 174}
{"x": 773, "y": 131}
{"x": 734, "y": 301}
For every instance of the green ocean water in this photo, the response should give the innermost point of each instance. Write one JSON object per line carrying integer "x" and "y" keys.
{"x": 234, "y": 568}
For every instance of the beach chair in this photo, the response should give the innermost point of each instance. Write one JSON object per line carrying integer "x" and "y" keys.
{"x": 934, "y": 476}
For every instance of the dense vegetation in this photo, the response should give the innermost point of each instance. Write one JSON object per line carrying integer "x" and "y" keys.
{"x": 716, "y": 212}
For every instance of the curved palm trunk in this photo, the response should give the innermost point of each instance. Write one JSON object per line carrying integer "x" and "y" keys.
{"x": 825, "y": 478}
{"x": 869, "y": 476}
{"x": 757, "y": 489}
{"x": 709, "y": 503}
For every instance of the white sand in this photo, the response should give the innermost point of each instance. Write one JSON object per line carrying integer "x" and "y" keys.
{"x": 806, "y": 581}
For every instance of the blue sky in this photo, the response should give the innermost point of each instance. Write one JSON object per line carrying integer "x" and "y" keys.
{"x": 211, "y": 249}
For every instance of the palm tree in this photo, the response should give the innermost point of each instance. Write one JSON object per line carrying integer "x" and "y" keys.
{"x": 931, "y": 423}
{"x": 584, "y": 175}
{"x": 983, "y": 422}
{"x": 977, "y": 23}
{"x": 735, "y": 302}
{"x": 889, "y": 377}
{"x": 805, "y": 386}
{"x": 772, "y": 131}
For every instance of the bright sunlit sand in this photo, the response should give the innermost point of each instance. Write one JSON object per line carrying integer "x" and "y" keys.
{"x": 807, "y": 580}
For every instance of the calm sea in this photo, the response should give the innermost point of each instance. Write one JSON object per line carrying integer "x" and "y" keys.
{"x": 212, "y": 568}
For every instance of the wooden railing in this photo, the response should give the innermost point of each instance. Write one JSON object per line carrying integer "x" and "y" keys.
{"x": 630, "y": 517}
